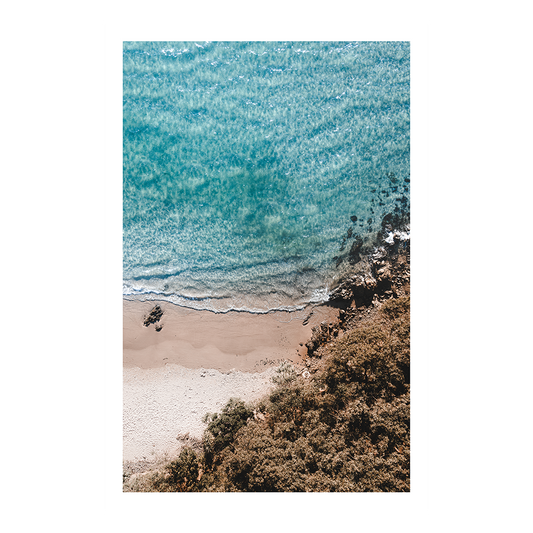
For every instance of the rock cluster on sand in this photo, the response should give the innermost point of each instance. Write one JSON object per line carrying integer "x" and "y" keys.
{"x": 154, "y": 316}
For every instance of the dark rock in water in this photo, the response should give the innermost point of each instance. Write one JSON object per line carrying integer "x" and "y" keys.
{"x": 155, "y": 315}
{"x": 339, "y": 261}
{"x": 349, "y": 234}
{"x": 357, "y": 243}
{"x": 371, "y": 210}
{"x": 387, "y": 220}
{"x": 369, "y": 221}
{"x": 354, "y": 255}
{"x": 391, "y": 221}
{"x": 353, "y": 218}
{"x": 343, "y": 244}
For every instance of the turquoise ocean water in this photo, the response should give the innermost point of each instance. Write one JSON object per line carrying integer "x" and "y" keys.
{"x": 244, "y": 163}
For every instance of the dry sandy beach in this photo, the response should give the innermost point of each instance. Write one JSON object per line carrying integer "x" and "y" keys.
{"x": 195, "y": 363}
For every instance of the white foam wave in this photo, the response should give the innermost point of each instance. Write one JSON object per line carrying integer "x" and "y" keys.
{"x": 397, "y": 234}
{"x": 238, "y": 302}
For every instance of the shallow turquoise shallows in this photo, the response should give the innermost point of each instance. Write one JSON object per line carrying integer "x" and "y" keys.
{"x": 243, "y": 163}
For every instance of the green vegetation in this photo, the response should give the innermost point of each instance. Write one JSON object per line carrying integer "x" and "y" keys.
{"x": 181, "y": 475}
{"x": 222, "y": 429}
{"x": 344, "y": 428}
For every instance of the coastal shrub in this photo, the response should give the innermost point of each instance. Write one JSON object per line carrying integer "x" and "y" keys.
{"x": 367, "y": 450}
{"x": 221, "y": 428}
{"x": 263, "y": 460}
{"x": 373, "y": 362}
{"x": 285, "y": 374}
{"x": 181, "y": 475}
{"x": 357, "y": 366}
{"x": 395, "y": 308}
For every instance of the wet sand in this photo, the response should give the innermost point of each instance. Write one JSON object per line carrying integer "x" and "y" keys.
{"x": 223, "y": 341}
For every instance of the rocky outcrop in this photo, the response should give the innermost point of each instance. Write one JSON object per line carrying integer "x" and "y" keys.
{"x": 388, "y": 273}
{"x": 321, "y": 335}
{"x": 387, "y": 276}
{"x": 358, "y": 290}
